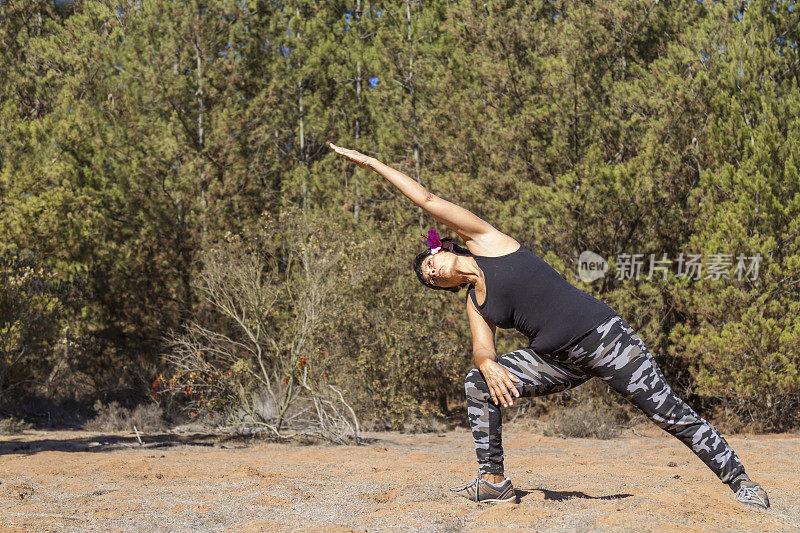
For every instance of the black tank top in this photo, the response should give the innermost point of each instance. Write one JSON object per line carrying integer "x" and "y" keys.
{"x": 525, "y": 293}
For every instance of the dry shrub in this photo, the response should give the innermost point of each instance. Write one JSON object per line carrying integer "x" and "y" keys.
{"x": 584, "y": 420}
{"x": 252, "y": 359}
{"x": 114, "y": 417}
{"x": 591, "y": 410}
{"x": 396, "y": 347}
{"x": 13, "y": 426}
{"x": 731, "y": 419}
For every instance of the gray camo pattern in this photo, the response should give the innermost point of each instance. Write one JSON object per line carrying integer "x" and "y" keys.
{"x": 614, "y": 353}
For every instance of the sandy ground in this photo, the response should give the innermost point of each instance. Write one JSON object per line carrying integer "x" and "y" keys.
{"x": 79, "y": 481}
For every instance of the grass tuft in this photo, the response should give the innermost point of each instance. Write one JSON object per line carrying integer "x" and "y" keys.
{"x": 585, "y": 420}
{"x": 113, "y": 417}
{"x": 13, "y": 426}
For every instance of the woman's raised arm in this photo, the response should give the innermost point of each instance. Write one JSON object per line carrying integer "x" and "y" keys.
{"x": 466, "y": 223}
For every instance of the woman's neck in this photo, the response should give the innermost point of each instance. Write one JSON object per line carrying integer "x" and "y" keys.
{"x": 468, "y": 270}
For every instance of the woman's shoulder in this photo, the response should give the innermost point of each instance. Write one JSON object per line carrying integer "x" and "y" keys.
{"x": 493, "y": 244}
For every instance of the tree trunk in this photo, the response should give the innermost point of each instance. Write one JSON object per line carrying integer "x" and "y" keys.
{"x": 201, "y": 138}
{"x": 304, "y": 186}
{"x": 357, "y": 176}
{"x": 414, "y": 137}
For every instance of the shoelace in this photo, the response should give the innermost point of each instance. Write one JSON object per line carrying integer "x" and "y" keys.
{"x": 468, "y": 484}
{"x": 749, "y": 493}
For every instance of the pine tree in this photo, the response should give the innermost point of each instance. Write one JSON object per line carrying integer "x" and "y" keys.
{"x": 741, "y": 333}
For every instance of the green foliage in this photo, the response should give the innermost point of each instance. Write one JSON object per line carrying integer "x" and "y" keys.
{"x": 742, "y": 339}
{"x": 137, "y": 138}
{"x": 32, "y": 314}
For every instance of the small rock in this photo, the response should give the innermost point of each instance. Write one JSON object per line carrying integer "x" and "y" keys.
{"x": 672, "y": 464}
{"x": 20, "y": 491}
{"x": 676, "y": 476}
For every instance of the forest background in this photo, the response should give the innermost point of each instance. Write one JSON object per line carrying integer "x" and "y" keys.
{"x": 174, "y": 228}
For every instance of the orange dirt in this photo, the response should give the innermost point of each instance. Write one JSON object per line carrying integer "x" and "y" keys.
{"x": 57, "y": 480}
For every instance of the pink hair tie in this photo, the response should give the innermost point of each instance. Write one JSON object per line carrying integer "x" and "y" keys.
{"x": 433, "y": 241}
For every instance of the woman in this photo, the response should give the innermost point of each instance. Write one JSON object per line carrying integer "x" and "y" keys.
{"x": 573, "y": 337}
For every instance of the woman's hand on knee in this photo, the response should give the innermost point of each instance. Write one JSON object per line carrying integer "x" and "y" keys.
{"x": 500, "y": 382}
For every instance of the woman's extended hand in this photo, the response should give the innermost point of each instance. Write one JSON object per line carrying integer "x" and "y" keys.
{"x": 356, "y": 157}
{"x": 500, "y": 382}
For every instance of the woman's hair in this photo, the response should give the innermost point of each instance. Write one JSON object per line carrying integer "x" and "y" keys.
{"x": 421, "y": 257}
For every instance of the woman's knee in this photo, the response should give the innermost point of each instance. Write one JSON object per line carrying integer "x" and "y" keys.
{"x": 474, "y": 384}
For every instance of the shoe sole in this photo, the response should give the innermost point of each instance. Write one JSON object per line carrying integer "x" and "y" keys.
{"x": 493, "y": 500}
{"x": 755, "y": 506}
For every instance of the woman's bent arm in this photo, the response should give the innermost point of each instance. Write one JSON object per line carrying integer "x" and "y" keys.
{"x": 498, "y": 379}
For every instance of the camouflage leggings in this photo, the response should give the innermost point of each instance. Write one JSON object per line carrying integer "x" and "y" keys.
{"x": 614, "y": 353}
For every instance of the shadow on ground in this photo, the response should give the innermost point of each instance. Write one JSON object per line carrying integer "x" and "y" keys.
{"x": 108, "y": 443}
{"x": 560, "y": 496}
{"x": 103, "y": 443}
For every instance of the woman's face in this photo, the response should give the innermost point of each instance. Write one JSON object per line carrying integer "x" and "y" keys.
{"x": 439, "y": 269}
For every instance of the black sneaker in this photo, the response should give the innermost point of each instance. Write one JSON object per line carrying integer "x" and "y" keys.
{"x": 751, "y": 493}
{"x": 480, "y": 490}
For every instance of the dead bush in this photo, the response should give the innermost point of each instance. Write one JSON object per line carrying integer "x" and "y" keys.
{"x": 252, "y": 360}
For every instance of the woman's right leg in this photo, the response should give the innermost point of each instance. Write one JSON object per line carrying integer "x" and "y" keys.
{"x": 538, "y": 375}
